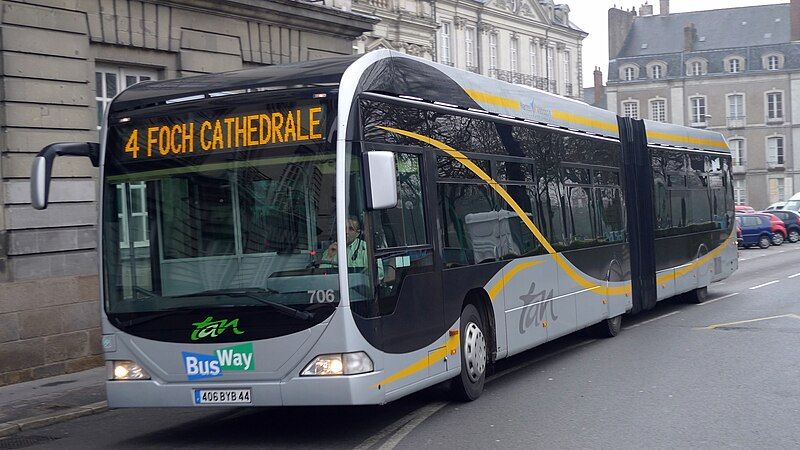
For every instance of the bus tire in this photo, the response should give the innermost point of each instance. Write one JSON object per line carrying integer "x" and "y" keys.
{"x": 607, "y": 328}
{"x": 698, "y": 295}
{"x": 468, "y": 385}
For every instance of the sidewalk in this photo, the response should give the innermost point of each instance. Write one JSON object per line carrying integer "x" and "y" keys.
{"x": 39, "y": 403}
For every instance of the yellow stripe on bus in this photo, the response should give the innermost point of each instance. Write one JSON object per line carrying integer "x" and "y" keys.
{"x": 585, "y": 121}
{"x": 508, "y": 276}
{"x": 496, "y": 100}
{"x": 715, "y": 143}
{"x": 451, "y": 346}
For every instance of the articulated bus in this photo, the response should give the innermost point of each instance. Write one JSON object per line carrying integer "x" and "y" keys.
{"x": 351, "y": 230}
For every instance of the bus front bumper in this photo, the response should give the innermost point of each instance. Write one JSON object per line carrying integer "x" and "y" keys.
{"x": 298, "y": 391}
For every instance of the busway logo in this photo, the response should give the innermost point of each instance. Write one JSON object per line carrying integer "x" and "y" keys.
{"x": 238, "y": 358}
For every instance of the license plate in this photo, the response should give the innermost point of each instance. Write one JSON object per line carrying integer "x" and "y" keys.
{"x": 221, "y": 396}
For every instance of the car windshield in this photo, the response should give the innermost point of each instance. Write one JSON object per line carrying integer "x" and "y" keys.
{"x": 247, "y": 228}
{"x": 792, "y": 205}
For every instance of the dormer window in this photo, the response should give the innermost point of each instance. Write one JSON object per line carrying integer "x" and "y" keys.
{"x": 734, "y": 66}
{"x": 630, "y": 74}
{"x": 772, "y": 61}
{"x": 657, "y": 72}
{"x": 696, "y": 67}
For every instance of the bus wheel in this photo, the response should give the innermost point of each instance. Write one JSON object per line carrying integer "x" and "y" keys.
{"x": 468, "y": 385}
{"x": 608, "y": 328}
{"x": 698, "y": 295}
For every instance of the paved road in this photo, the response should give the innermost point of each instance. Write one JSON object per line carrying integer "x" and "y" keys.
{"x": 721, "y": 374}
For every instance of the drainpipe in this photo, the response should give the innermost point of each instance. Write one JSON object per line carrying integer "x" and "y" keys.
{"x": 435, "y": 50}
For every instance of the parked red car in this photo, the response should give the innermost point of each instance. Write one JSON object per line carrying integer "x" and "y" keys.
{"x": 744, "y": 209}
{"x": 778, "y": 228}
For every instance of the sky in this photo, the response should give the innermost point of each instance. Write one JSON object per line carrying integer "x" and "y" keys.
{"x": 592, "y": 16}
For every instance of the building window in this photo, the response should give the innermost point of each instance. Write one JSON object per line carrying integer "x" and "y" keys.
{"x": 734, "y": 65}
{"x": 775, "y": 151}
{"x": 131, "y": 198}
{"x": 773, "y": 62}
{"x": 735, "y": 106}
{"x": 658, "y": 110}
{"x": 740, "y": 192}
{"x": 658, "y": 72}
{"x": 567, "y": 68}
{"x": 775, "y": 106}
{"x": 492, "y": 51}
{"x": 469, "y": 47}
{"x": 630, "y": 109}
{"x": 696, "y": 68}
{"x": 513, "y": 55}
{"x": 781, "y": 189}
{"x": 630, "y": 74}
{"x": 698, "y": 111}
{"x": 445, "y": 36}
{"x": 109, "y": 81}
{"x": 532, "y": 57}
{"x": 550, "y": 69}
{"x": 737, "y": 151}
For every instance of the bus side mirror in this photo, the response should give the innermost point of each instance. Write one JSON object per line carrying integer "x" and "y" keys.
{"x": 42, "y": 167}
{"x": 381, "y": 180}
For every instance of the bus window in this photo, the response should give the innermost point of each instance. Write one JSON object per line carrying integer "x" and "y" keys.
{"x": 611, "y": 211}
{"x": 515, "y": 238}
{"x": 660, "y": 194}
{"x": 197, "y": 215}
{"x": 581, "y": 215}
{"x": 404, "y": 225}
{"x": 451, "y": 168}
{"x": 469, "y": 223}
{"x": 510, "y": 171}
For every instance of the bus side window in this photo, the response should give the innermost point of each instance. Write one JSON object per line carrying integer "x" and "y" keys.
{"x": 469, "y": 222}
{"x": 403, "y": 225}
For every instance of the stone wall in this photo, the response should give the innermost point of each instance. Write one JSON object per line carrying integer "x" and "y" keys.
{"x": 49, "y": 50}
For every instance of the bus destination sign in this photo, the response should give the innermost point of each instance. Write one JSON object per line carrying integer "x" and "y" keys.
{"x": 301, "y": 124}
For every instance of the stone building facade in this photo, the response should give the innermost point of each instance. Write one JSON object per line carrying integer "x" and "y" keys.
{"x": 736, "y": 71}
{"x": 62, "y": 62}
{"x": 529, "y": 42}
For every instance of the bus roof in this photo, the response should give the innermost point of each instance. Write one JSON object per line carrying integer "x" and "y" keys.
{"x": 397, "y": 74}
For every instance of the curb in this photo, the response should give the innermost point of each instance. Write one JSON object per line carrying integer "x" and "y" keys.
{"x": 14, "y": 427}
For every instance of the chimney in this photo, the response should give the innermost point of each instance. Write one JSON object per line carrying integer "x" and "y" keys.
{"x": 664, "y": 8}
{"x": 646, "y": 10}
{"x": 599, "y": 89}
{"x": 619, "y": 25}
{"x": 689, "y": 37}
{"x": 794, "y": 19}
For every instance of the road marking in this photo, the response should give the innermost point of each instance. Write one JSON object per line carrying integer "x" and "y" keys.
{"x": 793, "y": 276}
{"x": 720, "y": 325}
{"x": 421, "y": 416}
{"x": 765, "y": 284}
{"x": 651, "y": 320}
{"x": 718, "y": 299}
{"x": 400, "y": 428}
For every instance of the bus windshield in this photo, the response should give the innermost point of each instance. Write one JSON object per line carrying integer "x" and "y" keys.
{"x": 243, "y": 223}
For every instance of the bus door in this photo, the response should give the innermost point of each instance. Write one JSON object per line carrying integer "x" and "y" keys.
{"x": 638, "y": 188}
{"x": 409, "y": 287}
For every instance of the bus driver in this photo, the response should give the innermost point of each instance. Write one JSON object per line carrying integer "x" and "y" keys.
{"x": 356, "y": 249}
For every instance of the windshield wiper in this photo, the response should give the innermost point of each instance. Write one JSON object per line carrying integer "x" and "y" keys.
{"x": 155, "y": 315}
{"x": 253, "y": 294}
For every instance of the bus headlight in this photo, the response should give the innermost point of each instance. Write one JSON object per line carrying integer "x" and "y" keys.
{"x": 338, "y": 364}
{"x": 127, "y": 370}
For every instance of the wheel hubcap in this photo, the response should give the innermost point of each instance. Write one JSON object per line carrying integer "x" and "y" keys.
{"x": 474, "y": 351}
{"x": 794, "y": 236}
